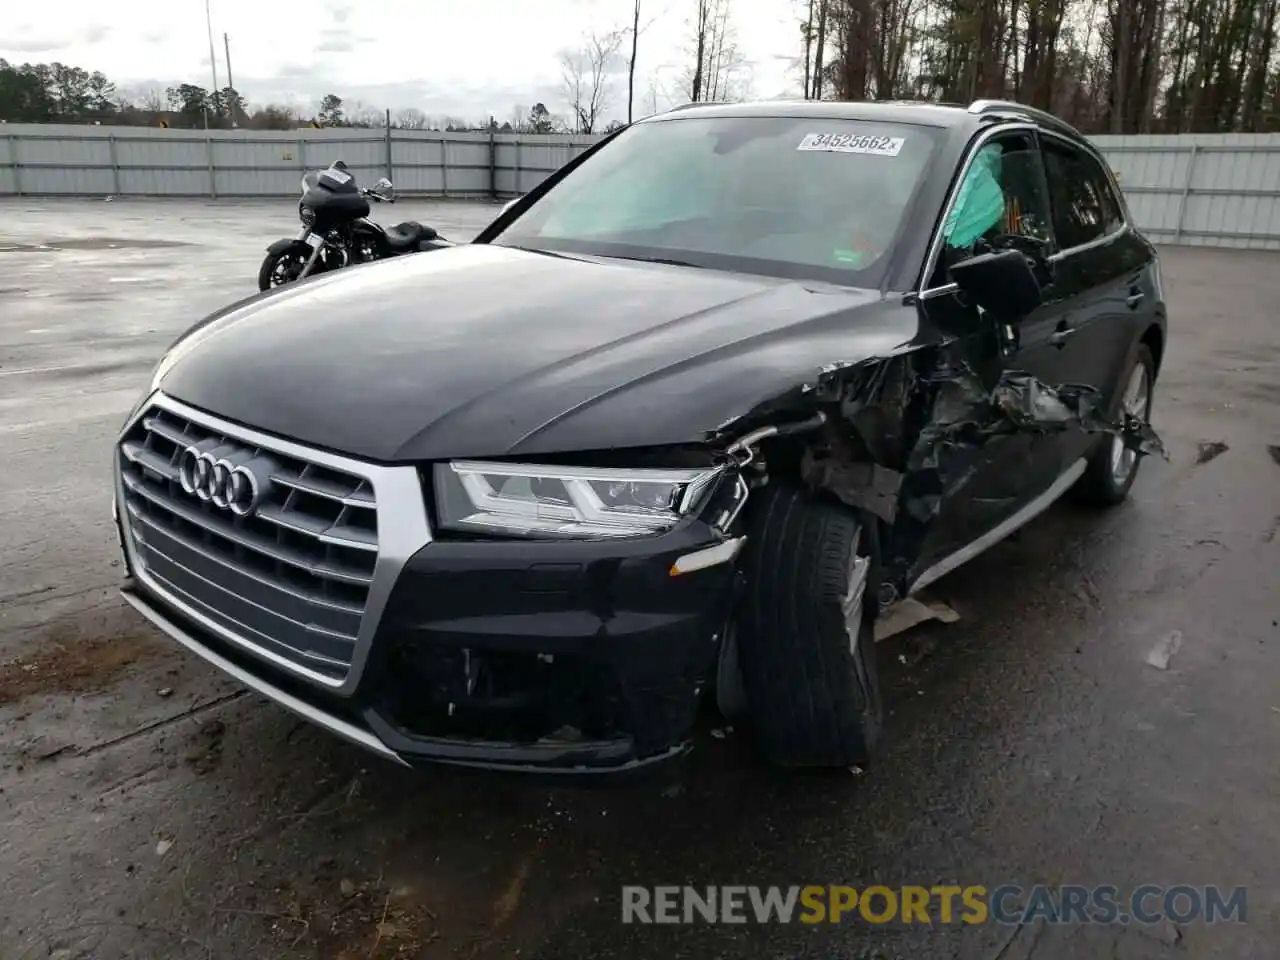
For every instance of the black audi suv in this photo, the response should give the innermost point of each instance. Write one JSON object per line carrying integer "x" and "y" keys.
{"x": 679, "y": 424}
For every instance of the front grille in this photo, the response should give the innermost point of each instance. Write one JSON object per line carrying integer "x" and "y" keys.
{"x": 291, "y": 577}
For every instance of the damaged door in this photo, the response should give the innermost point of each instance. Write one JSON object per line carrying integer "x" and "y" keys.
{"x": 1101, "y": 266}
{"x": 1000, "y": 202}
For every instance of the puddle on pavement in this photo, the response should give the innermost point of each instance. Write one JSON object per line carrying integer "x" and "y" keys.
{"x": 91, "y": 243}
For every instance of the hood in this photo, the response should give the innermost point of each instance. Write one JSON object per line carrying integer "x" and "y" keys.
{"x": 481, "y": 350}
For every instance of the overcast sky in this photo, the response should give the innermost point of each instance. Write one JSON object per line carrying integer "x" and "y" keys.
{"x": 465, "y": 58}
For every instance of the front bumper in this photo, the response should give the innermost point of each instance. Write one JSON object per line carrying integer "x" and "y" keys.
{"x": 573, "y": 658}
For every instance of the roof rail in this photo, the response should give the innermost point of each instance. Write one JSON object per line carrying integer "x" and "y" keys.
{"x": 698, "y": 103}
{"x": 1011, "y": 108}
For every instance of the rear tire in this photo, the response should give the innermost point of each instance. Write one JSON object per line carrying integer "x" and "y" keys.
{"x": 1105, "y": 483}
{"x": 812, "y": 691}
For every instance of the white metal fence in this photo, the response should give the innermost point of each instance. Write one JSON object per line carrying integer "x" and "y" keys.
{"x": 73, "y": 160}
{"x": 1205, "y": 189}
{"x": 1219, "y": 190}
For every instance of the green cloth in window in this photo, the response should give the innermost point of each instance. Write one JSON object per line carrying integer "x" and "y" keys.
{"x": 980, "y": 204}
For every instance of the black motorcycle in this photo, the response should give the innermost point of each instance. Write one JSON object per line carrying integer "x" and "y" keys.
{"x": 337, "y": 232}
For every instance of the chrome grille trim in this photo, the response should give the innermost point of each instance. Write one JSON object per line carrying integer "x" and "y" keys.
{"x": 324, "y": 633}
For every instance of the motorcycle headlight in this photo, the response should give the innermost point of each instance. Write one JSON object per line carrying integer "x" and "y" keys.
{"x": 534, "y": 500}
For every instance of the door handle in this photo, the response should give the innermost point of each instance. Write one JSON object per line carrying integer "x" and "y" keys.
{"x": 1134, "y": 298}
{"x": 1061, "y": 335}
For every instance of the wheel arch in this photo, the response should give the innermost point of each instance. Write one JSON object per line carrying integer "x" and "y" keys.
{"x": 1153, "y": 337}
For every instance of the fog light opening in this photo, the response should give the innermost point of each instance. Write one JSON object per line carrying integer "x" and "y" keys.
{"x": 707, "y": 557}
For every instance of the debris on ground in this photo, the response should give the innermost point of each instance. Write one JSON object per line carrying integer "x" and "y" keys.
{"x": 910, "y": 612}
{"x": 163, "y": 847}
{"x": 1207, "y": 450}
{"x": 205, "y": 753}
{"x": 67, "y": 661}
{"x": 165, "y": 692}
{"x": 1166, "y": 931}
{"x": 371, "y": 921}
{"x": 1164, "y": 651}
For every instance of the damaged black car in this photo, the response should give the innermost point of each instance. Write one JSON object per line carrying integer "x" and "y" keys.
{"x": 679, "y": 424}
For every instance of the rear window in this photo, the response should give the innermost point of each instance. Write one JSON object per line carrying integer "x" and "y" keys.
{"x": 782, "y": 196}
{"x": 1084, "y": 206}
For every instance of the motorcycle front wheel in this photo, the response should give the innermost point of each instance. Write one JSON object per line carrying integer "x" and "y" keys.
{"x": 281, "y": 268}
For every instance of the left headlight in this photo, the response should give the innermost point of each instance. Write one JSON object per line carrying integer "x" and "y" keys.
{"x": 534, "y": 500}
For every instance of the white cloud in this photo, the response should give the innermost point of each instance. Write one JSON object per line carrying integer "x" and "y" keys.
{"x": 462, "y": 57}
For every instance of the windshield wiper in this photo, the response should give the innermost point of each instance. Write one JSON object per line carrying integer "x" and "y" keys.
{"x": 667, "y": 260}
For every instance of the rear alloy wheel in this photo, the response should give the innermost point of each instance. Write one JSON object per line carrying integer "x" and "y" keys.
{"x": 1113, "y": 467}
{"x": 805, "y": 633}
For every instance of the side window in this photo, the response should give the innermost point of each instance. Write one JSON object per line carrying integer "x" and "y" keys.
{"x": 1001, "y": 200}
{"x": 1084, "y": 205}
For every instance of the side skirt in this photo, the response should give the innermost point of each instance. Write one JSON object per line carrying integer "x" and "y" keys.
{"x": 1001, "y": 530}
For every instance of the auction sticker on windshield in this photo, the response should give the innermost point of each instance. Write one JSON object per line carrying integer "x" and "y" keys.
{"x": 852, "y": 143}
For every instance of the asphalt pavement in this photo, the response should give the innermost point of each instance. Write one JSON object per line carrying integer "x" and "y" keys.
{"x": 1105, "y": 711}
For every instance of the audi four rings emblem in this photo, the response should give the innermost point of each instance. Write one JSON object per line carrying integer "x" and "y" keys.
{"x": 223, "y": 478}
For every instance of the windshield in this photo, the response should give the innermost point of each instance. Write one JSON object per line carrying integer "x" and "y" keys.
{"x": 788, "y": 197}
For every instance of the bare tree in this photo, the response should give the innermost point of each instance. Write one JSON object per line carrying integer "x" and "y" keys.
{"x": 806, "y": 37}
{"x": 719, "y": 70}
{"x": 153, "y": 100}
{"x": 702, "y": 29}
{"x": 819, "y": 47}
{"x": 631, "y": 68}
{"x": 411, "y": 118}
{"x": 586, "y": 74}
{"x": 363, "y": 115}
{"x": 274, "y": 117}
{"x": 651, "y": 95}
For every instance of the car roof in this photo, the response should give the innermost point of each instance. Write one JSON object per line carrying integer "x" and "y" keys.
{"x": 921, "y": 112}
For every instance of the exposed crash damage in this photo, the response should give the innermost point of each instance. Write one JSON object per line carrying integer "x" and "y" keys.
{"x": 899, "y": 437}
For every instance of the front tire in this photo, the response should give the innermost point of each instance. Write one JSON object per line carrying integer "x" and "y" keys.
{"x": 1112, "y": 468}
{"x": 806, "y": 630}
{"x": 280, "y": 268}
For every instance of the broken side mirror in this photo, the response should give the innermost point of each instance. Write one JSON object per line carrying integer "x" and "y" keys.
{"x": 1002, "y": 283}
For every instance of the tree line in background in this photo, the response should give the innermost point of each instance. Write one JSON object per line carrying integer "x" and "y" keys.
{"x": 57, "y": 93}
{"x": 1107, "y": 66}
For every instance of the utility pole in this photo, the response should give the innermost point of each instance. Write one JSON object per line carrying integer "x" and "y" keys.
{"x": 231, "y": 84}
{"x": 213, "y": 60}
